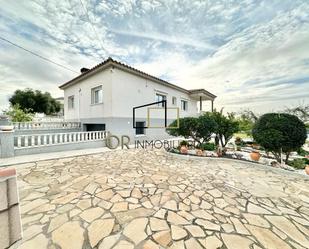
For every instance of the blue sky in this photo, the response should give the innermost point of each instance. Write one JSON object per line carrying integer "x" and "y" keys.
{"x": 251, "y": 54}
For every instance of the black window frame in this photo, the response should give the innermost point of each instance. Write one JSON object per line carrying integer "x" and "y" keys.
{"x": 158, "y": 99}
{"x": 184, "y": 105}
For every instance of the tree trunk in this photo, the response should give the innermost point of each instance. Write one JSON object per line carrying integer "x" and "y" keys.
{"x": 277, "y": 156}
{"x": 287, "y": 157}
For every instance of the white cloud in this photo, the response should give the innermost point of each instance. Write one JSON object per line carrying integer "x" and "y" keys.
{"x": 248, "y": 53}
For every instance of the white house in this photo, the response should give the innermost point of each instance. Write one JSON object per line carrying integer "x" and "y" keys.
{"x": 103, "y": 98}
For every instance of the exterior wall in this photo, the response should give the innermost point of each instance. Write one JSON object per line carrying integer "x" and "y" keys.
{"x": 83, "y": 109}
{"x": 129, "y": 90}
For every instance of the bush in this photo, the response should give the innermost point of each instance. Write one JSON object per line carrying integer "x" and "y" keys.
{"x": 239, "y": 141}
{"x": 184, "y": 143}
{"x": 208, "y": 146}
{"x": 302, "y": 152}
{"x": 18, "y": 115}
{"x": 225, "y": 128}
{"x": 199, "y": 129}
{"x": 299, "y": 163}
{"x": 276, "y": 132}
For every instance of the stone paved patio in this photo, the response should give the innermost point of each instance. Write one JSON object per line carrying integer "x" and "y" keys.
{"x": 150, "y": 199}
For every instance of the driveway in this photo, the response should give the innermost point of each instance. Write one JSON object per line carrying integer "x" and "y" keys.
{"x": 151, "y": 199}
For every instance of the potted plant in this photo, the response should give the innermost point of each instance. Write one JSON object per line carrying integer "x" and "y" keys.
{"x": 255, "y": 155}
{"x": 306, "y": 161}
{"x": 198, "y": 150}
{"x": 184, "y": 147}
{"x": 307, "y": 169}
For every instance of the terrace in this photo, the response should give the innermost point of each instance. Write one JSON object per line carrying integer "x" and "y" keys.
{"x": 154, "y": 199}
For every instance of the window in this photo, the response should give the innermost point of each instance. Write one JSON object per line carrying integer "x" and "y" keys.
{"x": 140, "y": 130}
{"x": 160, "y": 97}
{"x": 184, "y": 105}
{"x": 174, "y": 101}
{"x": 71, "y": 102}
{"x": 96, "y": 95}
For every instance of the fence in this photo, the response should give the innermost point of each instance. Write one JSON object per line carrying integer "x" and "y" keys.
{"x": 36, "y": 140}
{"x": 14, "y": 144}
{"x": 45, "y": 125}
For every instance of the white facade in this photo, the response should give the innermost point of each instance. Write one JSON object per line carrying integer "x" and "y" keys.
{"x": 122, "y": 89}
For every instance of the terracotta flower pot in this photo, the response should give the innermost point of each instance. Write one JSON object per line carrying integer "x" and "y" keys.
{"x": 199, "y": 152}
{"x": 255, "y": 155}
{"x": 307, "y": 169}
{"x": 184, "y": 149}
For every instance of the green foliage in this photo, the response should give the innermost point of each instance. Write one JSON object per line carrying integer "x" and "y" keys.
{"x": 206, "y": 126}
{"x": 199, "y": 129}
{"x": 246, "y": 121}
{"x": 187, "y": 127}
{"x": 299, "y": 163}
{"x": 302, "y": 152}
{"x": 35, "y": 101}
{"x": 276, "y": 131}
{"x": 238, "y": 141}
{"x": 225, "y": 128}
{"x": 18, "y": 115}
{"x": 208, "y": 146}
{"x": 184, "y": 143}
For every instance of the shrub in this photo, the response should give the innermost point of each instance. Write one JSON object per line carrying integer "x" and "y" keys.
{"x": 18, "y": 115}
{"x": 225, "y": 128}
{"x": 276, "y": 132}
{"x": 302, "y": 152}
{"x": 184, "y": 143}
{"x": 238, "y": 141}
{"x": 208, "y": 146}
{"x": 298, "y": 163}
{"x": 199, "y": 129}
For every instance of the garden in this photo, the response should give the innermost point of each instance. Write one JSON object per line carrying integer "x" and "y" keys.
{"x": 273, "y": 139}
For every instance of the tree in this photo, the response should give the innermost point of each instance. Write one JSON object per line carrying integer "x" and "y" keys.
{"x": 206, "y": 127}
{"x": 246, "y": 121}
{"x": 199, "y": 129}
{"x": 18, "y": 115}
{"x": 225, "y": 128}
{"x": 301, "y": 111}
{"x": 280, "y": 132}
{"x": 35, "y": 101}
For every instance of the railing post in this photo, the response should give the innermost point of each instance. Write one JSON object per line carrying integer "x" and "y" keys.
{"x": 26, "y": 141}
{"x": 6, "y": 144}
{"x": 32, "y": 140}
{"x": 18, "y": 141}
{"x": 39, "y": 140}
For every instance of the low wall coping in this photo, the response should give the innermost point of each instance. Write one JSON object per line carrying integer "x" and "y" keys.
{"x": 7, "y": 172}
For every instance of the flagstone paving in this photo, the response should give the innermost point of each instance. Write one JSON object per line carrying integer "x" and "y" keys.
{"x": 151, "y": 199}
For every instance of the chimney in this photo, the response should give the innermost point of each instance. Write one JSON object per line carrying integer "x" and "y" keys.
{"x": 84, "y": 70}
